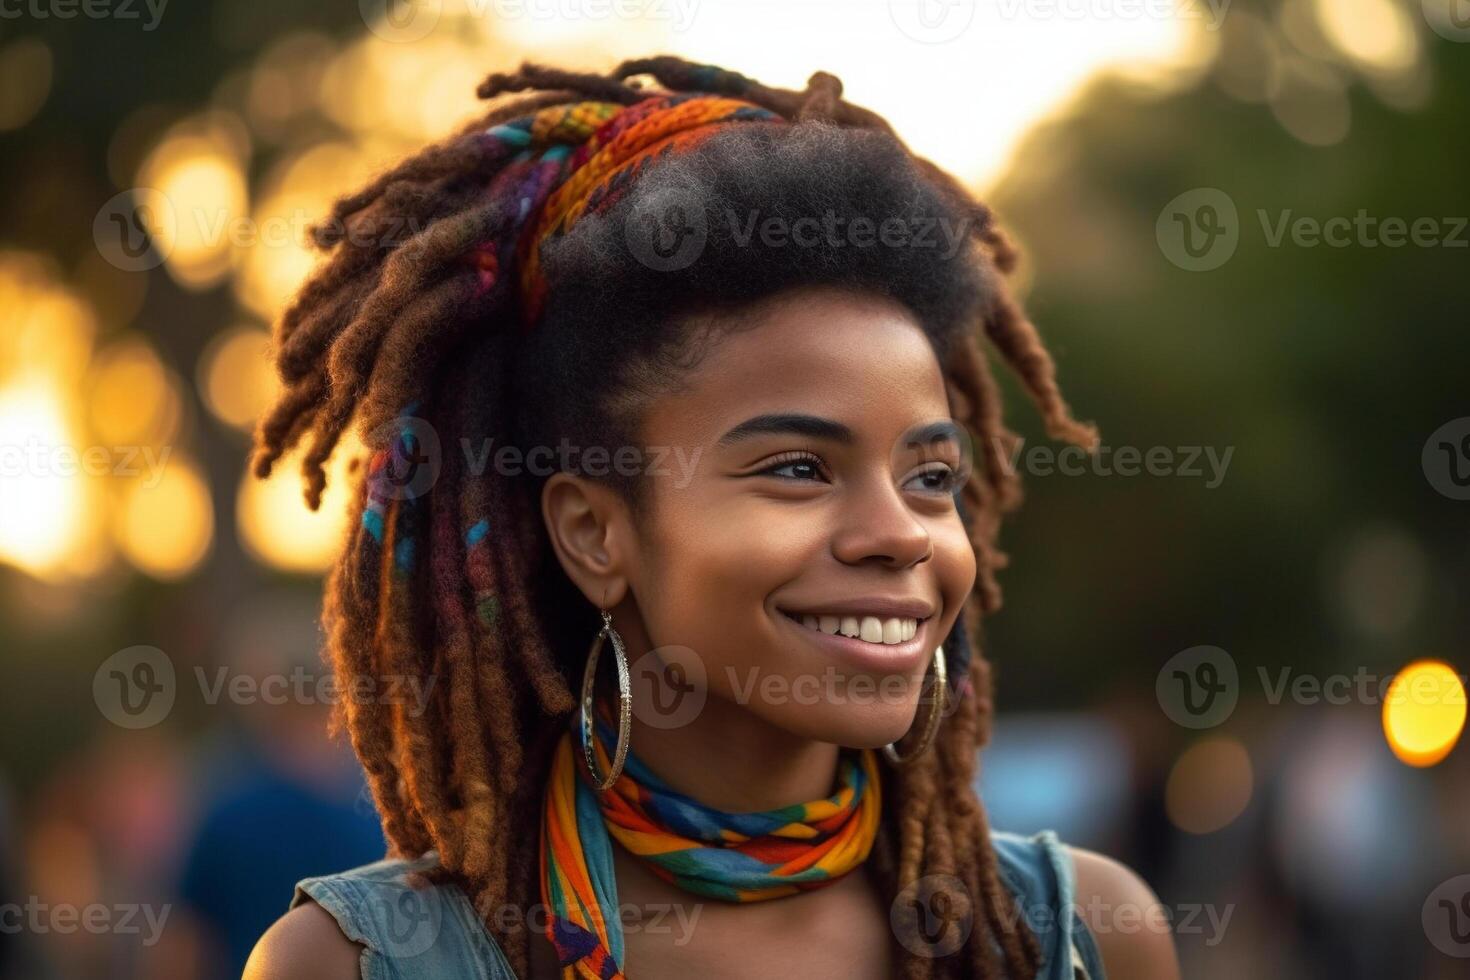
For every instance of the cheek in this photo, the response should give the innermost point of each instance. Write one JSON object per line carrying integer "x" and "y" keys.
{"x": 712, "y": 569}
{"x": 954, "y": 564}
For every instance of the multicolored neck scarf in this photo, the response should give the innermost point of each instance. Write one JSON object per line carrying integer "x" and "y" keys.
{"x": 733, "y": 857}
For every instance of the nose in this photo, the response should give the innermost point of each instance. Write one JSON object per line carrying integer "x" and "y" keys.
{"x": 878, "y": 526}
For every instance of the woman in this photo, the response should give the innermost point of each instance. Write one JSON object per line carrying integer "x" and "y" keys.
{"x": 683, "y": 375}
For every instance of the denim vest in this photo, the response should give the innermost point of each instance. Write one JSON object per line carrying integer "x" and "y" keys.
{"x": 433, "y": 933}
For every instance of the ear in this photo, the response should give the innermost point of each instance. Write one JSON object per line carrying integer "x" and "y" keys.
{"x": 591, "y": 531}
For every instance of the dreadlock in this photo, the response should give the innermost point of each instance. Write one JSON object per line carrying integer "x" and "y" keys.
{"x": 412, "y": 327}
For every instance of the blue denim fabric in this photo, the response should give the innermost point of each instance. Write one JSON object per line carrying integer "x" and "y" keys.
{"x": 433, "y": 933}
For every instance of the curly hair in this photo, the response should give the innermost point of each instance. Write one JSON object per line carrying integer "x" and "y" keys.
{"x": 411, "y": 328}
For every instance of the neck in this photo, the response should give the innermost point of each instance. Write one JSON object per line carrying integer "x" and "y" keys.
{"x": 732, "y": 760}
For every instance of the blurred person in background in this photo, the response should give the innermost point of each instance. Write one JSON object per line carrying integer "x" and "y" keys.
{"x": 277, "y": 799}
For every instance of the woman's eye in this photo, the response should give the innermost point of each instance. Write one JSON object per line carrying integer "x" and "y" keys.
{"x": 939, "y": 479}
{"x": 796, "y": 468}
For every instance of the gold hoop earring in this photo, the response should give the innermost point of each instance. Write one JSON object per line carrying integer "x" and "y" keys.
{"x": 931, "y": 724}
{"x": 625, "y": 705}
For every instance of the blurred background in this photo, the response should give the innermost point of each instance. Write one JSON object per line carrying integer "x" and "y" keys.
{"x": 1233, "y": 648}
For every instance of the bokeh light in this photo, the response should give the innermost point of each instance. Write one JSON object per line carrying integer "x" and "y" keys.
{"x": 25, "y": 81}
{"x": 277, "y": 527}
{"x": 1424, "y": 712}
{"x": 165, "y": 522}
{"x": 1209, "y": 786}
{"x": 236, "y": 376}
{"x": 201, "y": 178}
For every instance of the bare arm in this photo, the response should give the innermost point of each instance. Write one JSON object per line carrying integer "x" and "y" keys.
{"x": 304, "y": 944}
{"x": 1132, "y": 928}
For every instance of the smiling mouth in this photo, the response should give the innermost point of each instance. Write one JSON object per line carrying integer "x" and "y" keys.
{"x": 877, "y": 630}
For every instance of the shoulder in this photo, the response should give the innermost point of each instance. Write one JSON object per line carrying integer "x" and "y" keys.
{"x": 378, "y": 921}
{"x": 304, "y": 944}
{"x": 1131, "y": 927}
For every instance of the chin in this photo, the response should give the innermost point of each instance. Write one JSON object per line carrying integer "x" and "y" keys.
{"x": 869, "y": 726}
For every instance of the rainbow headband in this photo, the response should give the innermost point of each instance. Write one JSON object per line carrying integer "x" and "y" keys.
{"x": 571, "y": 160}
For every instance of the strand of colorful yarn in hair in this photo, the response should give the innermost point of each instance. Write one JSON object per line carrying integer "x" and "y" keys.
{"x": 571, "y": 160}
{"x": 733, "y": 857}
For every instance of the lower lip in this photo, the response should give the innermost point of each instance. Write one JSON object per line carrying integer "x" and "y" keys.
{"x": 897, "y": 658}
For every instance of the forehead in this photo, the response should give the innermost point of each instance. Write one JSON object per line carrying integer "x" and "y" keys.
{"x": 854, "y": 357}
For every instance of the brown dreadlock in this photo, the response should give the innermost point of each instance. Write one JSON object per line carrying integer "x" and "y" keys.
{"x": 389, "y": 321}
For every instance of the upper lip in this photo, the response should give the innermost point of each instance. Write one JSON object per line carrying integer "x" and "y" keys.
{"x": 883, "y": 606}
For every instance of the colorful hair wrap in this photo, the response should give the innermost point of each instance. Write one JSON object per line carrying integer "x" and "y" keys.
{"x": 733, "y": 857}
{"x": 570, "y": 160}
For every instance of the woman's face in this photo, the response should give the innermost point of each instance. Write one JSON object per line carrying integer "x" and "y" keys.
{"x": 815, "y": 499}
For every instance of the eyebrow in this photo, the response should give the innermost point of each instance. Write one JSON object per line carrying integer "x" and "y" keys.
{"x": 788, "y": 423}
{"x": 816, "y": 427}
{"x": 941, "y": 430}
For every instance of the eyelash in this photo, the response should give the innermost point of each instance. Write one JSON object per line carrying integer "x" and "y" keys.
{"x": 792, "y": 458}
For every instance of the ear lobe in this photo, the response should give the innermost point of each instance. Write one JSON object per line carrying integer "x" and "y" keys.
{"x": 586, "y": 521}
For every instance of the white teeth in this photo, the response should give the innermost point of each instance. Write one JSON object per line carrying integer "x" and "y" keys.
{"x": 870, "y": 629}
